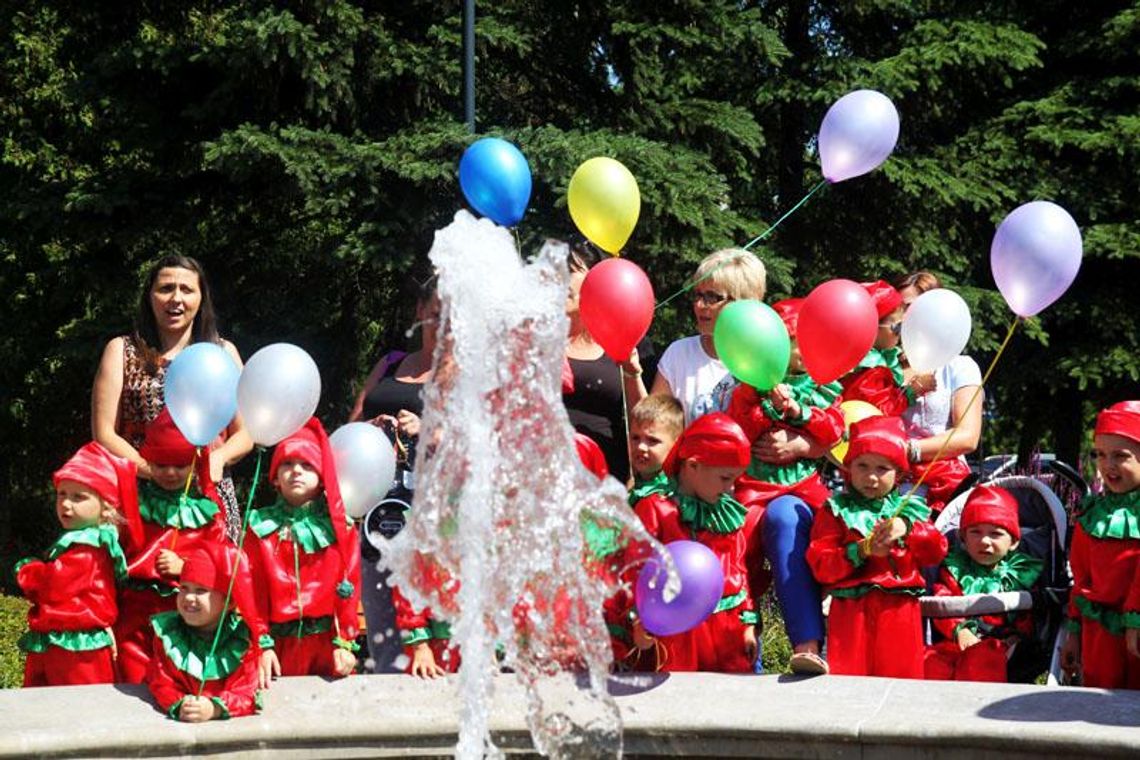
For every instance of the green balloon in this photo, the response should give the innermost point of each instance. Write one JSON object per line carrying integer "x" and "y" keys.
{"x": 751, "y": 340}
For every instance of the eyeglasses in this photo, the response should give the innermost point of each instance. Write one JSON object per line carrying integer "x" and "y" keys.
{"x": 709, "y": 298}
{"x": 895, "y": 327}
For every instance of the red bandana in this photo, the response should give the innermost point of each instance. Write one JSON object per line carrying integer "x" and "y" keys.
{"x": 165, "y": 444}
{"x": 886, "y": 298}
{"x": 884, "y": 436}
{"x": 1122, "y": 418}
{"x": 789, "y": 311}
{"x": 989, "y": 504}
{"x": 714, "y": 440}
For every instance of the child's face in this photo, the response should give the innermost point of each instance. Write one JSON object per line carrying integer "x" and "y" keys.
{"x": 888, "y": 336}
{"x": 77, "y": 506}
{"x": 1118, "y": 462}
{"x": 200, "y": 607}
{"x": 987, "y": 544}
{"x": 650, "y": 443}
{"x": 796, "y": 360}
{"x": 170, "y": 477}
{"x": 298, "y": 482}
{"x": 873, "y": 475}
{"x": 706, "y": 482}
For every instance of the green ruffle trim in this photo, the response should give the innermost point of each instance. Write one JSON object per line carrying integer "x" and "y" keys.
{"x": 190, "y": 651}
{"x": 602, "y": 540}
{"x": 853, "y": 555}
{"x": 301, "y": 627}
{"x": 345, "y": 644}
{"x": 1111, "y": 515}
{"x": 21, "y": 562}
{"x": 884, "y": 357}
{"x": 731, "y": 602}
{"x": 659, "y": 484}
{"x": 783, "y": 474}
{"x": 1111, "y": 620}
{"x": 726, "y": 516}
{"x": 1017, "y": 571}
{"x": 72, "y": 641}
{"x": 435, "y": 629}
{"x": 308, "y": 525}
{"x": 749, "y": 617}
{"x": 102, "y": 536}
{"x": 854, "y": 592}
{"x": 265, "y": 641}
{"x": 860, "y": 513}
{"x": 808, "y": 394}
{"x": 174, "y": 509}
{"x": 619, "y": 633}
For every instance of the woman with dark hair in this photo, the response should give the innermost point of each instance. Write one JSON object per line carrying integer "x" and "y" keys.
{"x": 595, "y": 402}
{"x": 175, "y": 310}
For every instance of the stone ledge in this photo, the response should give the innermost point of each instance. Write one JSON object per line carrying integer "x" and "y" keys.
{"x": 681, "y": 714}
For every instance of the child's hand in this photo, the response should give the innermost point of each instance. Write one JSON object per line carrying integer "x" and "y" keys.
{"x": 384, "y": 421}
{"x": 886, "y": 533}
{"x": 922, "y": 384}
{"x": 641, "y": 638}
{"x": 168, "y": 563}
{"x": 268, "y": 668}
{"x": 1071, "y": 655}
{"x": 423, "y": 662}
{"x": 783, "y": 402}
{"x": 198, "y": 710}
{"x": 1132, "y": 641}
{"x": 344, "y": 662}
{"x": 750, "y": 645}
{"x": 967, "y": 639}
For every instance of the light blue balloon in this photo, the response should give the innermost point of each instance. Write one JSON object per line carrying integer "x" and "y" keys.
{"x": 201, "y": 391}
{"x": 495, "y": 179}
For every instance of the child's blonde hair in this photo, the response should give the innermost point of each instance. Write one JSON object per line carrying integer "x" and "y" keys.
{"x": 660, "y": 409}
{"x": 737, "y": 271}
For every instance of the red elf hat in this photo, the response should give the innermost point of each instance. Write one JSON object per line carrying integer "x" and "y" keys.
{"x": 165, "y": 445}
{"x": 1122, "y": 418}
{"x": 112, "y": 477}
{"x": 884, "y": 436}
{"x": 789, "y": 311}
{"x": 886, "y": 298}
{"x": 714, "y": 440}
{"x": 993, "y": 505}
{"x": 212, "y": 564}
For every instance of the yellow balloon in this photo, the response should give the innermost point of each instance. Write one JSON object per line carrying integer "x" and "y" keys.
{"x": 853, "y": 411}
{"x": 604, "y": 202}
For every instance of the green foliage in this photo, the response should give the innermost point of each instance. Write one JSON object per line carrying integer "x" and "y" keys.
{"x": 13, "y": 623}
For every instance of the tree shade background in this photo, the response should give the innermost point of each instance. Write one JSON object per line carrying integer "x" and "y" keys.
{"x": 306, "y": 151}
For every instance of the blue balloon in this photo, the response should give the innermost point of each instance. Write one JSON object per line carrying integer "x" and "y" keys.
{"x": 201, "y": 391}
{"x": 495, "y": 178}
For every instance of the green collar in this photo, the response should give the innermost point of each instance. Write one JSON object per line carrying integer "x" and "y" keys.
{"x": 1017, "y": 571}
{"x": 884, "y": 357}
{"x": 603, "y": 538}
{"x": 726, "y": 516}
{"x": 309, "y": 524}
{"x": 659, "y": 484}
{"x": 174, "y": 509}
{"x": 808, "y": 394}
{"x": 860, "y": 513}
{"x": 190, "y": 651}
{"x": 100, "y": 536}
{"x": 1111, "y": 515}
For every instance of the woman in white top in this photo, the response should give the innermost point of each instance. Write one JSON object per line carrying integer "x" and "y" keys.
{"x": 690, "y": 369}
{"x": 944, "y": 407}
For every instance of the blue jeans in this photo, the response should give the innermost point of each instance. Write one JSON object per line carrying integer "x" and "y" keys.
{"x": 786, "y": 531}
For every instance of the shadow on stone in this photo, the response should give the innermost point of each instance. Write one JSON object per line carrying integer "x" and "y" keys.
{"x": 1119, "y": 708}
{"x": 627, "y": 684}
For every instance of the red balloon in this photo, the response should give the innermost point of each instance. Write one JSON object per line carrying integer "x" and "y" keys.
{"x": 837, "y": 327}
{"x": 616, "y": 304}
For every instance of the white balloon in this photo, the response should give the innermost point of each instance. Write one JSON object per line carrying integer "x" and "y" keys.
{"x": 365, "y": 466}
{"x": 936, "y": 329}
{"x": 278, "y": 392}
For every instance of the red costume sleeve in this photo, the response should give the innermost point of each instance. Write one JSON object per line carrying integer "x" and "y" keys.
{"x": 346, "y": 607}
{"x": 1080, "y": 567}
{"x": 926, "y": 544}
{"x": 946, "y": 586}
{"x": 253, "y": 548}
{"x": 876, "y": 386}
{"x": 825, "y": 425}
{"x": 827, "y": 554}
{"x": 407, "y": 618}
{"x": 73, "y": 592}
{"x": 239, "y": 691}
{"x": 161, "y": 678}
{"x": 30, "y": 579}
{"x": 744, "y": 407}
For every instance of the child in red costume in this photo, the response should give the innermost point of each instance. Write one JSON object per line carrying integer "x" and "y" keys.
{"x": 878, "y": 378}
{"x": 1104, "y": 609}
{"x": 869, "y": 559}
{"x": 188, "y": 647}
{"x": 798, "y": 403}
{"x": 72, "y": 590}
{"x": 174, "y": 522}
{"x": 696, "y": 504}
{"x": 986, "y": 562}
{"x": 305, "y": 562}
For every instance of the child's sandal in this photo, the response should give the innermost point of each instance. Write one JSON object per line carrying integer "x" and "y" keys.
{"x": 808, "y": 664}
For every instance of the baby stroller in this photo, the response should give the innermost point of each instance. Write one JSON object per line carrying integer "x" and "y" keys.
{"x": 1044, "y": 535}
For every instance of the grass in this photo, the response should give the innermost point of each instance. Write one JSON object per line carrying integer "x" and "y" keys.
{"x": 13, "y": 623}
{"x": 775, "y": 649}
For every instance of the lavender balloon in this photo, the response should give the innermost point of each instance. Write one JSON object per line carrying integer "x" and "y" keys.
{"x": 1035, "y": 256}
{"x": 858, "y": 132}
{"x": 702, "y": 582}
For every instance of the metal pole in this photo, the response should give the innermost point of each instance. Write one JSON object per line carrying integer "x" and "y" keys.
{"x": 469, "y": 64}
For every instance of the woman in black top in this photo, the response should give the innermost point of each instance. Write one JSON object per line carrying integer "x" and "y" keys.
{"x": 391, "y": 400}
{"x": 594, "y": 405}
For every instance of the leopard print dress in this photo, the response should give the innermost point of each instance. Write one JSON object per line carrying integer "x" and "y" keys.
{"x": 141, "y": 401}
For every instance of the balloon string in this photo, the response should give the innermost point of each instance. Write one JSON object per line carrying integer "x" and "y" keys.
{"x": 185, "y": 493}
{"x": 950, "y": 433}
{"x": 237, "y": 566}
{"x": 747, "y": 246}
{"x": 518, "y": 240}
{"x": 625, "y": 423}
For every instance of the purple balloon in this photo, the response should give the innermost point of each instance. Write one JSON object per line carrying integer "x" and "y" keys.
{"x": 702, "y": 583}
{"x": 858, "y": 132}
{"x": 1035, "y": 256}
